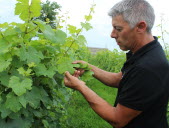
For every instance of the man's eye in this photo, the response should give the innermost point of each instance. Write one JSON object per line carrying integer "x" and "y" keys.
{"x": 118, "y": 29}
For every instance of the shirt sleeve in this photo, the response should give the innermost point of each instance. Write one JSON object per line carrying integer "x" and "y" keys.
{"x": 140, "y": 89}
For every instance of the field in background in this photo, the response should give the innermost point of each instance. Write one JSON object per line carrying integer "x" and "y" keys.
{"x": 79, "y": 112}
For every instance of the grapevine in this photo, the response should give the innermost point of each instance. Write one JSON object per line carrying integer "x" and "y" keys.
{"x": 33, "y": 57}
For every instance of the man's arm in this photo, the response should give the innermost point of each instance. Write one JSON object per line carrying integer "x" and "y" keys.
{"x": 118, "y": 116}
{"x": 108, "y": 78}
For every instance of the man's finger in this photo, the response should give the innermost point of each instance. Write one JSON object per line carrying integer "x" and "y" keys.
{"x": 65, "y": 80}
{"x": 78, "y": 61}
{"x": 75, "y": 62}
{"x": 67, "y": 75}
{"x": 76, "y": 73}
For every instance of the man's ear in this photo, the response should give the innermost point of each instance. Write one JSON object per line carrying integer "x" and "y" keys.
{"x": 141, "y": 26}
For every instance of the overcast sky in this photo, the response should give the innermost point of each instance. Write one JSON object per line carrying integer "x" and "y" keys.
{"x": 99, "y": 36}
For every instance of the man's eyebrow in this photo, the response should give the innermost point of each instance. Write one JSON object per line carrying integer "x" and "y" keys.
{"x": 116, "y": 26}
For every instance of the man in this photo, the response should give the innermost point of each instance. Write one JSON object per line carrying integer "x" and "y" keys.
{"x": 143, "y": 82}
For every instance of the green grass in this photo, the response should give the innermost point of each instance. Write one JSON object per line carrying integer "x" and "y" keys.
{"x": 79, "y": 112}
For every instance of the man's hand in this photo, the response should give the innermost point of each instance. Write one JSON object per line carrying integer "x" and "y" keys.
{"x": 72, "y": 81}
{"x": 79, "y": 71}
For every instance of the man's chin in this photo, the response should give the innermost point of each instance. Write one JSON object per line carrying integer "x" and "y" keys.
{"x": 124, "y": 49}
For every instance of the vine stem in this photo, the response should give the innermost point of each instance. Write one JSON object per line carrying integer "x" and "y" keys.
{"x": 73, "y": 41}
{"x": 32, "y": 29}
{"x": 1, "y": 34}
{"x": 78, "y": 34}
{"x": 26, "y": 29}
{"x": 162, "y": 36}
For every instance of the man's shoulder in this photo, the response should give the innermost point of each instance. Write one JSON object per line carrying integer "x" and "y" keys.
{"x": 153, "y": 60}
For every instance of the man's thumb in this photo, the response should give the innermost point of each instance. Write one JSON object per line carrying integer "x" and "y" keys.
{"x": 67, "y": 74}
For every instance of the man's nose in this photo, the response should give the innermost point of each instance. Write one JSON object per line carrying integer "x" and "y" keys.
{"x": 113, "y": 34}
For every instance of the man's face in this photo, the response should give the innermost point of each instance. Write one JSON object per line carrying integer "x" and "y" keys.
{"x": 123, "y": 34}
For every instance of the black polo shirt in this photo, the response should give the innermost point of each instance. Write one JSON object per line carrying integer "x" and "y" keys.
{"x": 145, "y": 86}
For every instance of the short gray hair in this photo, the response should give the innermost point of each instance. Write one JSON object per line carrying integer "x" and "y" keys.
{"x": 134, "y": 11}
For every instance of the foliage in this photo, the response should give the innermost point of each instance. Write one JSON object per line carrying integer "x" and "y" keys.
{"x": 164, "y": 34}
{"x": 32, "y": 64}
{"x": 111, "y": 61}
{"x": 49, "y": 12}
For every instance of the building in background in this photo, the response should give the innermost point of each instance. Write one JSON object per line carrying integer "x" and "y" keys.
{"x": 94, "y": 50}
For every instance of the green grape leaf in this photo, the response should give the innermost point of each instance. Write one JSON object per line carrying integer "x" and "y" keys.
{"x": 53, "y": 49}
{"x": 5, "y": 61}
{"x": 4, "y": 111}
{"x": 35, "y": 8}
{"x": 49, "y": 33}
{"x": 4, "y": 46}
{"x": 22, "y": 54}
{"x": 44, "y": 96}
{"x": 26, "y": 11}
{"x": 73, "y": 29}
{"x": 22, "y": 9}
{"x": 31, "y": 55}
{"x": 81, "y": 40}
{"x": 22, "y": 100}
{"x": 32, "y": 64}
{"x": 88, "y": 18}
{"x": 88, "y": 75}
{"x": 11, "y": 31}
{"x": 74, "y": 46}
{"x": 61, "y": 36}
{"x": 4, "y": 25}
{"x": 20, "y": 86}
{"x": 16, "y": 122}
{"x": 16, "y": 62}
{"x": 84, "y": 66}
{"x": 92, "y": 9}
{"x": 41, "y": 69}
{"x": 86, "y": 26}
{"x": 158, "y": 37}
{"x": 56, "y": 37}
{"x": 65, "y": 64}
{"x": 12, "y": 102}
{"x": 4, "y": 78}
{"x": 33, "y": 97}
{"x": 37, "y": 113}
{"x": 51, "y": 71}
{"x": 24, "y": 72}
{"x": 21, "y": 71}
{"x": 45, "y": 123}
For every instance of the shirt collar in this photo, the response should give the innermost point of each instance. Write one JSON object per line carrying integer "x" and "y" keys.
{"x": 132, "y": 57}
